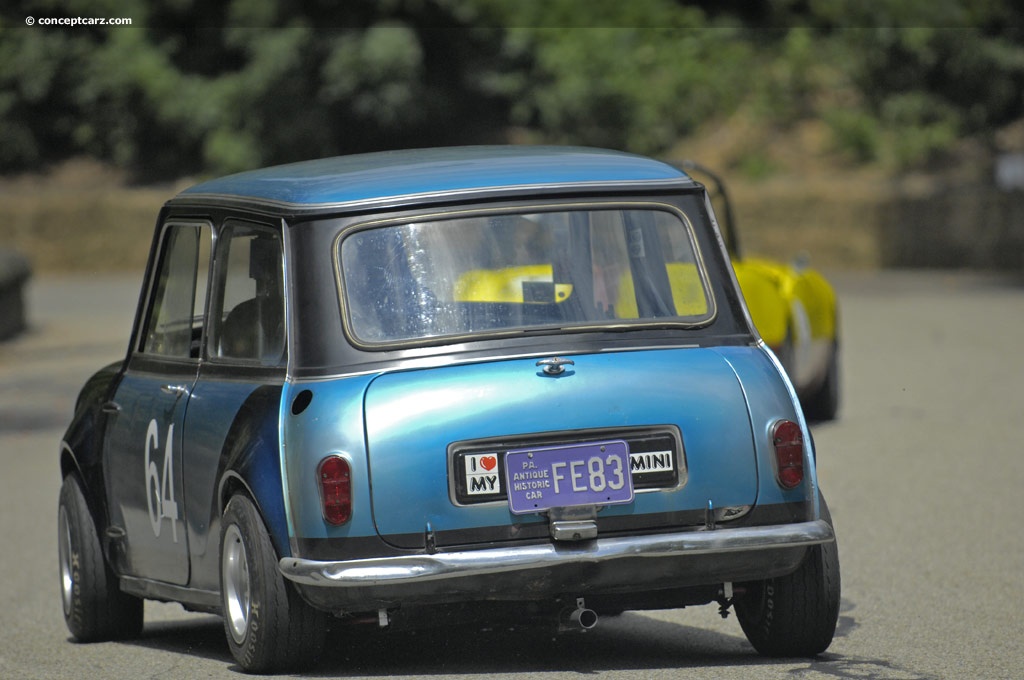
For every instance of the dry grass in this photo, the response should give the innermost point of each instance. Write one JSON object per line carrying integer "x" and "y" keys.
{"x": 80, "y": 218}
{"x": 834, "y": 225}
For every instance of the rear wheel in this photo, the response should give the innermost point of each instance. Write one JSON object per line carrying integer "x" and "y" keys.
{"x": 94, "y": 606}
{"x": 269, "y": 626}
{"x": 794, "y": 615}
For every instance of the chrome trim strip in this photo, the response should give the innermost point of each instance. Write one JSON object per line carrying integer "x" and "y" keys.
{"x": 442, "y": 359}
{"x": 413, "y": 569}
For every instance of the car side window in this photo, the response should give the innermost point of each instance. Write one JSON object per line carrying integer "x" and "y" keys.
{"x": 248, "y": 301}
{"x": 174, "y": 321}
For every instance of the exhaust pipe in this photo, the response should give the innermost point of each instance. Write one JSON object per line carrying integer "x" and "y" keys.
{"x": 580, "y": 618}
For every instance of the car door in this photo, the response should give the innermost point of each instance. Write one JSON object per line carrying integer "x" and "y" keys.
{"x": 143, "y": 449}
{"x": 231, "y": 427}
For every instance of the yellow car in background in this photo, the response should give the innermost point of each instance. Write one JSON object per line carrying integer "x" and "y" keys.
{"x": 793, "y": 307}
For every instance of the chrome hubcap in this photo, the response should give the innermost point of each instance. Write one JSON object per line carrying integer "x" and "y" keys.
{"x": 67, "y": 579}
{"x": 235, "y": 575}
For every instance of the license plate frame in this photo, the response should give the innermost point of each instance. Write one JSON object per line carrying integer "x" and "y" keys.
{"x": 544, "y": 477}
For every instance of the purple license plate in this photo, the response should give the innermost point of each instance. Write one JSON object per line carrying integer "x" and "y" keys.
{"x": 594, "y": 473}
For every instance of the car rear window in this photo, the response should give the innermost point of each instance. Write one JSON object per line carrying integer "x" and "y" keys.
{"x": 477, "y": 274}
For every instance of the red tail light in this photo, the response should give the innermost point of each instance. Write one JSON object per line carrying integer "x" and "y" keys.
{"x": 335, "y": 478}
{"x": 788, "y": 441}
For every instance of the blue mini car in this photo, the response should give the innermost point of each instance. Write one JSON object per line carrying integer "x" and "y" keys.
{"x": 443, "y": 384}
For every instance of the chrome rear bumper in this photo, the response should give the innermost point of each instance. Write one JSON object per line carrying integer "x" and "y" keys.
{"x": 411, "y": 570}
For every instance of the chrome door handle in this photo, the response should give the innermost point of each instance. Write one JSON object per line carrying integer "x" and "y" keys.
{"x": 174, "y": 389}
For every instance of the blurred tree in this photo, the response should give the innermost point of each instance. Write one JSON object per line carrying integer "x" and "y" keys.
{"x": 923, "y": 73}
{"x": 634, "y": 75}
{"x": 928, "y": 87}
{"x": 195, "y": 86}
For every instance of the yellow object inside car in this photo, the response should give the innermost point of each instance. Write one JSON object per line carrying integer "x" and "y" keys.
{"x": 511, "y": 283}
{"x": 507, "y": 285}
{"x": 687, "y": 292}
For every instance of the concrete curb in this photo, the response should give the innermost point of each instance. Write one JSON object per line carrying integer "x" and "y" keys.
{"x": 15, "y": 272}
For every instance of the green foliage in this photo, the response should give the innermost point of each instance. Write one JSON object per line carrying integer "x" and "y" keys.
{"x": 925, "y": 87}
{"x": 194, "y": 86}
{"x": 634, "y": 75}
{"x": 790, "y": 82}
{"x": 618, "y": 87}
{"x": 922, "y": 125}
{"x": 210, "y": 87}
{"x": 854, "y": 133}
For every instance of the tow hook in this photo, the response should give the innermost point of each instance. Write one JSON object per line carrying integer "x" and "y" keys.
{"x": 579, "y": 618}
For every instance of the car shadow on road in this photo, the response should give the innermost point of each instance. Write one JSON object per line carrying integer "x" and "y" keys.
{"x": 626, "y": 642}
{"x": 629, "y": 642}
{"x": 202, "y": 637}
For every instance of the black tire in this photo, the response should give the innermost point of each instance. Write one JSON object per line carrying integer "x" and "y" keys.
{"x": 794, "y": 615}
{"x": 94, "y": 607}
{"x": 823, "y": 405}
{"x": 269, "y": 627}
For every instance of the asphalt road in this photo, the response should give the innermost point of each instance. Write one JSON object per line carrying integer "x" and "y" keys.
{"x": 924, "y": 474}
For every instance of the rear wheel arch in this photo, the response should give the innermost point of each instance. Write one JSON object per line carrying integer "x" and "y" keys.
{"x": 231, "y": 485}
{"x": 235, "y": 482}
{"x": 68, "y": 462}
{"x": 92, "y": 490}
{"x": 251, "y": 463}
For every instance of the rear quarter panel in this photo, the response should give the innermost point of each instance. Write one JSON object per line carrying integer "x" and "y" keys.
{"x": 331, "y": 423}
{"x": 771, "y": 396}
